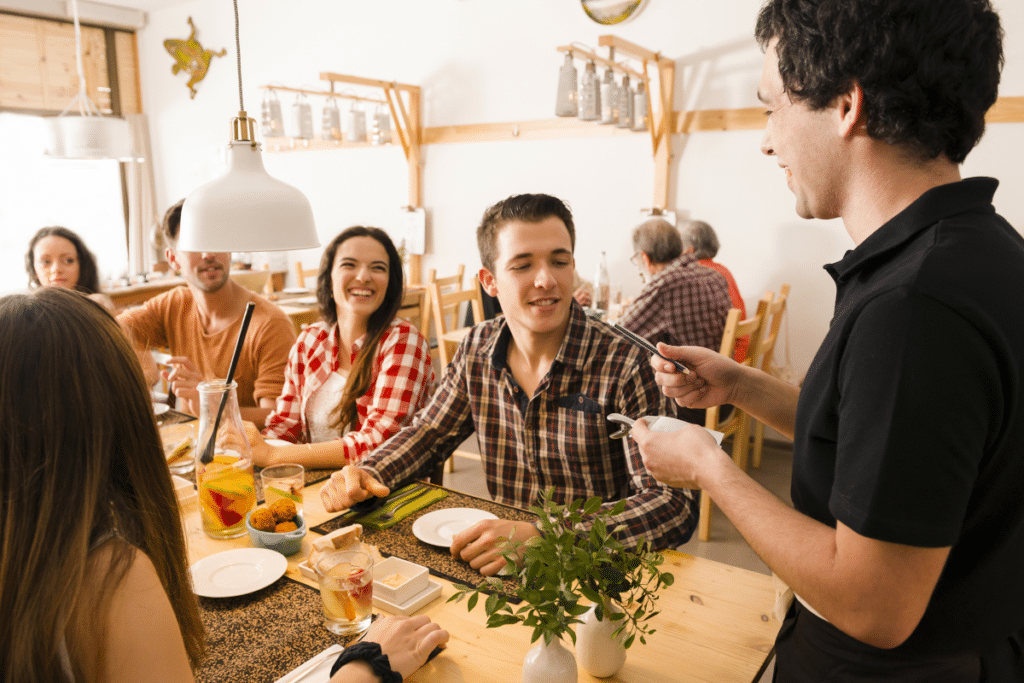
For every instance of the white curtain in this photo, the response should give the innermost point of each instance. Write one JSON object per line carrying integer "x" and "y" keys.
{"x": 143, "y": 218}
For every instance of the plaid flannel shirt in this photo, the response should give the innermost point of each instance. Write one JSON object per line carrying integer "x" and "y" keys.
{"x": 685, "y": 304}
{"x": 401, "y": 383}
{"x": 558, "y": 437}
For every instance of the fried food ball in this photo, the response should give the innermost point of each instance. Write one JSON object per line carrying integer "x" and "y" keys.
{"x": 284, "y": 510}
{"x": 262, "y": 519}
{"x": 285, "y": 527}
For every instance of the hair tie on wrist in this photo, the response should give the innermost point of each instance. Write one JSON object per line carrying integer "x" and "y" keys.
{"x": 371, "y": 654}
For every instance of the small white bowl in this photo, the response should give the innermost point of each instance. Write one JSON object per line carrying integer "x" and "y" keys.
{"x": 416, "y": 580}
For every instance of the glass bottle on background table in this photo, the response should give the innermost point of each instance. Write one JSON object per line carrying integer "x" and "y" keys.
{"x": 227, "y": 489}
{"x": 602, "y": 285}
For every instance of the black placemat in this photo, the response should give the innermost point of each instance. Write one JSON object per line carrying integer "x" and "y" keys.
{"x": 399, "y": 539}
{"x": 263, "y": 635}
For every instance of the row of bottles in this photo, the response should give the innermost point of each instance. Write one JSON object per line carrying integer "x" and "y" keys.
{"x": 273, "y": 124}
{"x": 605, "y": 101}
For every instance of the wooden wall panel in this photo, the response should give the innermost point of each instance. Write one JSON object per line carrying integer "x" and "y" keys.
{"x": 21, "y": 64}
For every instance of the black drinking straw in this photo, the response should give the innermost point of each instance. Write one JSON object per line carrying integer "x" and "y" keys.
{"x": 207, "y": 457}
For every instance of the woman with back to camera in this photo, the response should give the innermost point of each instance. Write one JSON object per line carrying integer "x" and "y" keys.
{"x": 57, "y": 257}
{"x": 94, "y": 579}
{"x": 356, "y": 378}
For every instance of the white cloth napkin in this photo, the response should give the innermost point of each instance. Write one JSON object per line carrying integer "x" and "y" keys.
{"x": 321, "y": 673}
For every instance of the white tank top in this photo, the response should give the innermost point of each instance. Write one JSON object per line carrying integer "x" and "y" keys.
{"x": 319, "y": 407}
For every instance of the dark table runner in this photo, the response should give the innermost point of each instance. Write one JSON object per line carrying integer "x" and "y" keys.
{"x": 262, "y": 636}
{"x": 400, "y": 542}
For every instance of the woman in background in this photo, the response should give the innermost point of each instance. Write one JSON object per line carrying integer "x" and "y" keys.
{"x": 356, "y": 378}
{"x": 57, "y": 257}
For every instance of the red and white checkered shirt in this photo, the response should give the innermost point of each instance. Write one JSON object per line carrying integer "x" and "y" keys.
{"x": 557, "y": 437}
{"x": 401, "y": 383}
{"x": 685, "y": 304}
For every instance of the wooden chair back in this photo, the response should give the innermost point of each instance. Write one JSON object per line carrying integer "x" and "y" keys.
{"x": 737, "y": 423}
{"x": 452, "y": 283}
{"x": 253, "y": 280}
{"x": 445, "y": 307}
{"x": 767, "y": 351}
{"x": 302, "y": 273}
{"x": 416, "y": 308}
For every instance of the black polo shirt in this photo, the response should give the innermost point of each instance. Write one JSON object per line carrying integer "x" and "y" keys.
{"x": 910, "y": 423}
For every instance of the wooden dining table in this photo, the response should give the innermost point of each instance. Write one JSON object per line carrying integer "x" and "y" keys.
{"x": 715, "y": 622}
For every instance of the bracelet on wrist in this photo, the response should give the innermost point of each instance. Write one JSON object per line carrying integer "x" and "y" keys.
{"x": 371, "y": 654}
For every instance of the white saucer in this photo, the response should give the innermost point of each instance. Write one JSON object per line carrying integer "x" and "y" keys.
{"x": 237, "y": 572}
{"x": 432, "y": 590}
{"x": 160, "y": 408}
{"x": 295, "y": 290}
{"x": 438, "y": 527}
{"x": 278, "y": 442}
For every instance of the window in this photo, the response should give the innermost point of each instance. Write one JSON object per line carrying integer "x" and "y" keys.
{"x": 36, "y": 191}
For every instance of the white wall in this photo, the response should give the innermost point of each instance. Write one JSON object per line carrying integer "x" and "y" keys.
{"x": 482, "y": 61}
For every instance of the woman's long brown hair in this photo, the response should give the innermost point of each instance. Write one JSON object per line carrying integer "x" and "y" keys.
{"x": 80, "y": 457}
{"x": 362, "y": 369}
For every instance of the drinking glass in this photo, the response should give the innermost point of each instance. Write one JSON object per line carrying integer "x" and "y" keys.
{"x": 346, "y": 587}
{"x": 283, "y": 481}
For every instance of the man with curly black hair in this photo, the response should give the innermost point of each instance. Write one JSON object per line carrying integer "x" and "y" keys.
{"x": 906, "y": 546}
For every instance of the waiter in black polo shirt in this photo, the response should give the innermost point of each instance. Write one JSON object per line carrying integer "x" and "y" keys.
{"x": 906, "y": 546}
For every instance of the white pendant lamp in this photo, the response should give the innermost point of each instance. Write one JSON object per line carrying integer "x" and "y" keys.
{"x": 245, "y": 209}
{"x": 89, "y": 134}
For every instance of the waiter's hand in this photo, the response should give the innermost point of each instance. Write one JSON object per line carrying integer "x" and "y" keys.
{"x": 480, "y": 544}
{"x": 676, "y": 458}
{"x": 712, "y": 379}
{"x": 349, "y": 486}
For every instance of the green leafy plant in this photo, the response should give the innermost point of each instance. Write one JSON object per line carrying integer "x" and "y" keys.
{"x": 568, "y": 562}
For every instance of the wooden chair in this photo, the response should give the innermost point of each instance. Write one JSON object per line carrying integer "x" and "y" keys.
{"x": 416, "y": 308}
{"x": 737, "y": 424}
{"x": 253, "y": 280}
{"x": 452, "y": 283}
{"x": 445, "y": 308}
{"x": 771, "y": 335}
{"x": 302, "y": 273}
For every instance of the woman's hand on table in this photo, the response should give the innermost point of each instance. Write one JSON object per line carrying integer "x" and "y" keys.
{"x": 407, "y": 641}
{"x": 348, "y": 486}
{"x": 262, "y": 452}
{"x": 480, "y": 545}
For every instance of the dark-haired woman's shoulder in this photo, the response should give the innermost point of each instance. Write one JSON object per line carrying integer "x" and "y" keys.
{"x": 136, "y": 629}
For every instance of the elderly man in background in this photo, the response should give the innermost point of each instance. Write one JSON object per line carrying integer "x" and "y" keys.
{"x": 699, "y": 239}
{"x": 200, "y": 324}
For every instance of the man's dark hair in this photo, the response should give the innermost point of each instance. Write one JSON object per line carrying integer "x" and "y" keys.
{"x": 528, "y": 208}
{"x": 929, "y": 69}
{"x": 701, "y": 236}
{"x": 659, "y": 239}
{"x": 171, "y": 223}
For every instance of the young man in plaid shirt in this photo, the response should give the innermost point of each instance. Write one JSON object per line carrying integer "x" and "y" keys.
{"x": 536, "y": 385}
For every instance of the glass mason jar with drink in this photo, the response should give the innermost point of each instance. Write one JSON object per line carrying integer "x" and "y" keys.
{"x": 346, "y": 587}
{"x": 283, "y": 481}
{"x": 224, "y": 473}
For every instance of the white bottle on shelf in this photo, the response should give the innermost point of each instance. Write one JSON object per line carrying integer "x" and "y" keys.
{"x": 602, "y": 286}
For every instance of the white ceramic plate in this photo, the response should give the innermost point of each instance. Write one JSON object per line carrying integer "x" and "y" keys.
{"x": 278, "y": 442}
{"x": 237, "y": 572}
{"x": 295, "y": 290}
{"x": 160, "y": 408}
{"x": 438, "y": 527}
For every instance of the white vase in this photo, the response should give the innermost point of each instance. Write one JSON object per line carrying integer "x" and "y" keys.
{"x": 600, "y": 654}
{"x": 549, "y": 664}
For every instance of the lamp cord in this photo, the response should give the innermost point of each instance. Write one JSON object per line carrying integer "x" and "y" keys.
{"x": 238, "y": 54}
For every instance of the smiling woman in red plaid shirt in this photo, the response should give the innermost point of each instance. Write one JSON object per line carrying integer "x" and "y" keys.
{"x": 355, "y": 379}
